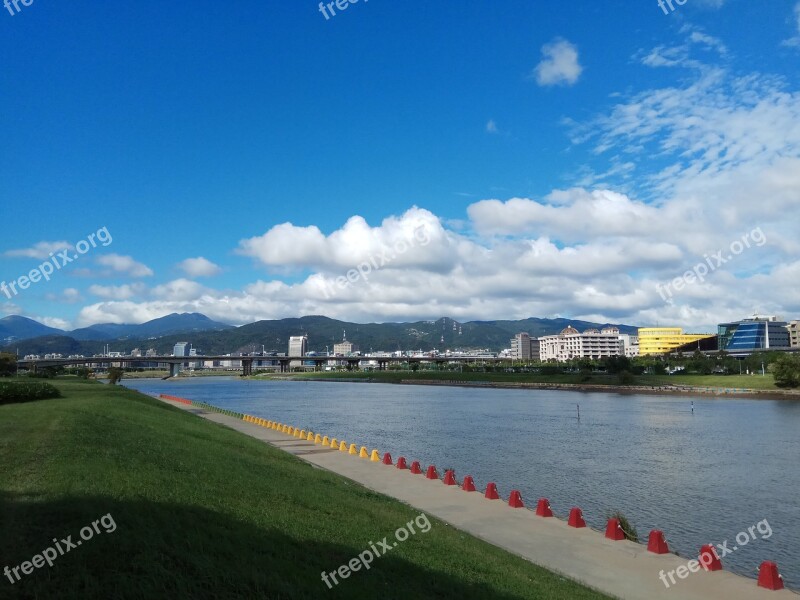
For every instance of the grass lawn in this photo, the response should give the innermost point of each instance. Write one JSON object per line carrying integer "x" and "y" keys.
{"x": 204, "y": 512}
{"x": 753, "y": 382}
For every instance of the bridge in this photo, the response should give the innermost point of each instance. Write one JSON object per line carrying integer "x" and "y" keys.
{"x": 282, "y": 363}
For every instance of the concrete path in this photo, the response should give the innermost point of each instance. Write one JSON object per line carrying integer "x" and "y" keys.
{"x": 622, "y": 569}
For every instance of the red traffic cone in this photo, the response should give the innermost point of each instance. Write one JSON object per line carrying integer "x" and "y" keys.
{"x": 515, "y": 500}
{"x": 491, "y": 492}
{"x": 709, "y": 559}
{"x": 401, "y": 463}
{"x": 450, "y": 477}
{"x": 614, "y": 530}
{"x": 469, "y": 484}
{"x": 415, "y": 468}
{"x": 576, "y": 518}
{"x": 657, "y": 543}
{"x": 387, "y": 459}
{"x": 543, "y": 508}
{"x": 431, "y": 474}
{"x": 768, "y": 576}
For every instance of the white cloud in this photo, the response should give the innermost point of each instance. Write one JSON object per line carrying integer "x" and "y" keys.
{"x": 491, "y": 126}
{"x": 287, "y": 245}
{"x": 53, "y": 322}
{"x": 40, "y": 250}
{"x": 199, "y": 267}
{"x": 117, "y": 292}
{"x": 178, "y": 290}
{"x": 124, "y": 265}
{"x": 67, "y": 296}
{"x": 794, "y": 42}
{"x": 559, "y": 65}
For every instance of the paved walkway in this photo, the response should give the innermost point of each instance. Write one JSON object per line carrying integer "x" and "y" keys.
{"x": 622, "y": 569}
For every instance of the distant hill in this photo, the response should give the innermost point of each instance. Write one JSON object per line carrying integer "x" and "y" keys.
{"x": 174, "y": 323}
{"x": 273, "y": 335}
{"x": 14, "y": 328}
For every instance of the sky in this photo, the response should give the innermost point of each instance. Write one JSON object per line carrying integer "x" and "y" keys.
{"x": 612, "y": 161}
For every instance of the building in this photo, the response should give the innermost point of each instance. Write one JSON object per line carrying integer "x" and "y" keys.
{"x": 662, "y": 340}
{"x": 524, "y": 347}
{"x": 794, "y": 333}
{"x": 630, "y": 344}
{"x": 181, "y": 349}
{"x": 571, "y": 344}
{"x": 298, "y": 345}
{"x": 754, "y": 334}
{"x": 345, "y": 348}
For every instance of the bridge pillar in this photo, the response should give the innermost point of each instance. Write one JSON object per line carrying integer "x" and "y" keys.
{"x": 247, "y": 368}
{"x": 284, "y": 366}
{"x": 174, "y": 369}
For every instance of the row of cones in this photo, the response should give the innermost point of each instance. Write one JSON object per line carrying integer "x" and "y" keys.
{"x": 768, "y": 576}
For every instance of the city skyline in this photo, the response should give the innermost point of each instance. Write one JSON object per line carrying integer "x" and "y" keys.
{"x": 373, "y": 177}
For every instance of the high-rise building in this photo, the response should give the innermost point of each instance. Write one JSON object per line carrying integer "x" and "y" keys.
{"x": 298, "y": 345}
{"x": 181, "y": 349}
{"x": 662, "y": 340}
{"x": 524, "y": 347}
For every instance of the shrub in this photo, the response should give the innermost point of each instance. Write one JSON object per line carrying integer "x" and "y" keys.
{"x": 11, "y": 393}
{"x": 787, "y": 371}
{"x": 625, "y": 378}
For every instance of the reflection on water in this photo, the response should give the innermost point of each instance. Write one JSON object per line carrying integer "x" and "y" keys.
{"x": 701, "y": 477}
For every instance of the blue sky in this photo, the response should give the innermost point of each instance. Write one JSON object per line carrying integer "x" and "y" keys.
{"x": 563, "y": 161}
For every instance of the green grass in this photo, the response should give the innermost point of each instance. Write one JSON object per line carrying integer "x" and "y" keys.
{"x": 204, "y": 512}
{"x": 753, "y": 382}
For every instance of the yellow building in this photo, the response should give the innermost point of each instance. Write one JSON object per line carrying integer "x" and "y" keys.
{"x": 660, "y": 340}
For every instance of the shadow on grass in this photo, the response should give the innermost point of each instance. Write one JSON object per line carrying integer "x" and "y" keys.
{"x": 161, "y": 550}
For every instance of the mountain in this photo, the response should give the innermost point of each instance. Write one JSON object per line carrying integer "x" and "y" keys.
{"x": 273, "y": 336}
{"x": 171, "y": 324}
{"x": 14, "y": 328}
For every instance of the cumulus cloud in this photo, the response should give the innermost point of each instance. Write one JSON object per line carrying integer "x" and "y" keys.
{"x": 124, "y": 265}
{"x": 199, "y": 267}
{"x": 559, "y": 64}
{"x": 40, "y": 250}
{"x": 410, "y": 240}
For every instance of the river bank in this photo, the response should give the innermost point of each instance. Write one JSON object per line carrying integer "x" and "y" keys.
{"x": 676, "y": 390}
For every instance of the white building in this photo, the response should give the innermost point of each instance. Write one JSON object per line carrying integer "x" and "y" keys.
{"x": 592, "y": 344}
{"x": 298, "y": 345}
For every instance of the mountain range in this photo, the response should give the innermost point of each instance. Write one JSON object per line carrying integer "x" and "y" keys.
{"x": 212, "y": 337}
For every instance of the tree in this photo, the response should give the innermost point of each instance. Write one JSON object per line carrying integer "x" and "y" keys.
{"x": 8, "y": 364}
{"x": 114, "y": 375}
{"x": 786, "y": 370}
